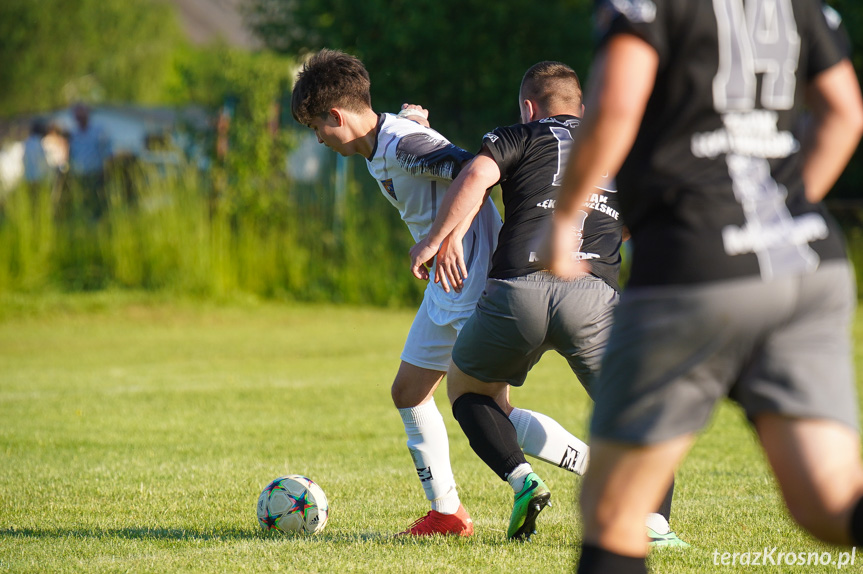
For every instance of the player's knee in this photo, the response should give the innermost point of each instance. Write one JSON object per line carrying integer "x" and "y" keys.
{"x": 823, "y": 520}
{"x": 401, "y": 395}
{"x": 407, "y": 393}
{"x": 810, "y": 518}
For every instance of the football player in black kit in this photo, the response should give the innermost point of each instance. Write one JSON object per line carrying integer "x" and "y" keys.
{"x": 524, "y": 310}
{"x": 739, "y": 285}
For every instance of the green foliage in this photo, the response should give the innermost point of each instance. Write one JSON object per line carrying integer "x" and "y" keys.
{"x": 55, "y": 52}
{"x": 244, "y": 90}
{"x": 174, "y": 235}
{"x": 462, "y": 59}
{"x": 851, "y": 181}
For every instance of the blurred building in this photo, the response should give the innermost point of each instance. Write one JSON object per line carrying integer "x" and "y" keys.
{"x": 209, "y": 20}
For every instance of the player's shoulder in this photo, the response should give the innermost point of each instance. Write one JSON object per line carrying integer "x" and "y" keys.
{"x": 401, "y": 127}
{"x": 506, "y": 133}
{"x": 552, "y": 126}
{"x": 409, "y": 135}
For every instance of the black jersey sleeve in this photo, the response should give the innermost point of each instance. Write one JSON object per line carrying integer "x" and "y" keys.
{"x": 641, "y": 18}
{"x": 828, "y": 41}
{"x": 506, "y": 146}
{"x": 422, "y": 155}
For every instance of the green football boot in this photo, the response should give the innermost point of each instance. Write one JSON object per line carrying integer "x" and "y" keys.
{"x": 665, "y": 540}
{"x": 529, "y": 502}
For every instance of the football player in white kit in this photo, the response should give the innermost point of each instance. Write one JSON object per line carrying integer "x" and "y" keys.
{"x": 414, "y": 166}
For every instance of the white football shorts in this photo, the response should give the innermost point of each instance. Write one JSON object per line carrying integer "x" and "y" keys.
{"x": 432, "y": 336}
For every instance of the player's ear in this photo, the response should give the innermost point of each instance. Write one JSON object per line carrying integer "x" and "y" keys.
{"x": 530, "y": 108}
{"x": 336, "y": 115}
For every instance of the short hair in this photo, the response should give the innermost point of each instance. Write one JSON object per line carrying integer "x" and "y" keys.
{"x": 553, "y": 85}
{"x": 330, "y": 79}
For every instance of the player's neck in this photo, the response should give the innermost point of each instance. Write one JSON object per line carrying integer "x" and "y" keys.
{"x": 560, "y": 112}
{"x": 366, "y": 129}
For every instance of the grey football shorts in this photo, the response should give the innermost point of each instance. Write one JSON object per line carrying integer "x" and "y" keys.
{"x": 517, "y": 320}
{"x": 780, "y": 347}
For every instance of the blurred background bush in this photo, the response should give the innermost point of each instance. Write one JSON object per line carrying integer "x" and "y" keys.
{"x": 209, "y": 188}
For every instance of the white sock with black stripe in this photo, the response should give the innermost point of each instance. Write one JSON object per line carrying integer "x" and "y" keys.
{"x": 544, "y": 438}
{"x": 428, "y": 444}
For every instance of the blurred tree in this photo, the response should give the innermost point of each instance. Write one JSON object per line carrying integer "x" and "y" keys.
{"x": 462, "y": 59}
{"x": 850, "y": 185}
{"x": 54, "y": 52}
{"x": 244, "y": 91}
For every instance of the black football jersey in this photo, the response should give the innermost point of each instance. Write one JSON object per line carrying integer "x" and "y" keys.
{"x": 712, "y": 187}
{"x": 532, "y": 158}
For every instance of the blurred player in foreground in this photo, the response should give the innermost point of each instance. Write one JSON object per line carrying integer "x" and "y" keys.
{"x": 740, "y": 285}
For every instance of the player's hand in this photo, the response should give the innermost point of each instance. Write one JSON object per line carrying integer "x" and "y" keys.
{"x": 415, "y": 113}
{"x": 422, "y": 255}
{"x": 451, "y": 269}
{"x": 562, "y": 249}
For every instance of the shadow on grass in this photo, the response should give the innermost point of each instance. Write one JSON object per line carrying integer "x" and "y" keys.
{"x": 180, "y": 534}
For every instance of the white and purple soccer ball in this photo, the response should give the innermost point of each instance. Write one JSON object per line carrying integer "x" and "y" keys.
{"x": 293, "y": 503}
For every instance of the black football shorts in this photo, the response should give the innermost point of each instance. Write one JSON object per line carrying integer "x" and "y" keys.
{"x": 517, "y": 320}
{"x": 781, "y": 347}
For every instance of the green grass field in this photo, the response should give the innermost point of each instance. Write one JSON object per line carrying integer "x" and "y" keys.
{"x": 136, "y": 434}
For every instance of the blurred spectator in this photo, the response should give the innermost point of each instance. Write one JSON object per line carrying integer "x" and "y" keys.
{"x": 36, "y": 167}
{"x": 56, "y": 146}
{"x": 89, "y": 149}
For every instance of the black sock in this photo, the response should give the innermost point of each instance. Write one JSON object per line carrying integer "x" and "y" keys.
{"x": 596, "y": 559}
{"x": 665, "y": 506}
{"x": 489, "y": 431}
{"x": 857, "y": 524}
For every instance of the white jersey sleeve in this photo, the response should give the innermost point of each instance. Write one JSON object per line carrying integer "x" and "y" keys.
{"x": 414, "y": 167}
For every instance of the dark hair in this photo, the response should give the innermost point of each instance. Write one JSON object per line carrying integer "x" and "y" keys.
{"x": 330, "y": 79}
{"x": 553, "y": 85}
{"x": 39, "y": 126}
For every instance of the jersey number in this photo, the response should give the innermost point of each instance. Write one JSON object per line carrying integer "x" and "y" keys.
{"x": 760, "y": 39}
{"x": 564, "y": 145}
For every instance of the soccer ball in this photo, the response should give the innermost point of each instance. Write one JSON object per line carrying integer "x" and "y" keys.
{"x": 293, "y": 503}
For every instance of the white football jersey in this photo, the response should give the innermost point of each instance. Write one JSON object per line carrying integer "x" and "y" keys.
{"x": 414, "y": 167}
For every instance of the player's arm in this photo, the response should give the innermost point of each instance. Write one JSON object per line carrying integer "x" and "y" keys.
{"x": 461, "y": 203}
{"x": 832, "y": 136}
{"x": 623, "y": 78}
{"x": 451, "y": 267}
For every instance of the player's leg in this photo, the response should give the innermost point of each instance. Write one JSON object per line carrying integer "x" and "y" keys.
{"x": 581, "y": 316}
{"x": 424, "y": 361}
{"x": 817, "y": 464}
{"x": 625, "y": 483}
{"x": 659, "y": 532}
{"x": 477, "y": 406}
{"x": 414, "y": 386}
{"x": 542, "y": 437}
{"x": 578, "y": 330}
{"x": 496, "y": 348}
{"x": 800, "y": 395}
{"x": 672, "y": 354}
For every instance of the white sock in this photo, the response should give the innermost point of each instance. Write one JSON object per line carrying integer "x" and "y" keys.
{"x": 544, "y": 438}
{"x": 429, "y": 447}
{"x": 517, "y": 476}
{"x": 657, "y": 523}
